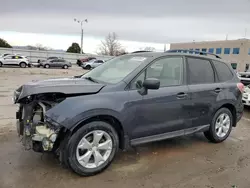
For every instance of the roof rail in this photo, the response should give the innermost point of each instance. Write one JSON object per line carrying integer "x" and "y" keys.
{"x": 141, "y": 51}
{"x": 192, "y": 51}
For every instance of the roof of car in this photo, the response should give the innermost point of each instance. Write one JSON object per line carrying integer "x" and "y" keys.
{"x": 162, "y": 54}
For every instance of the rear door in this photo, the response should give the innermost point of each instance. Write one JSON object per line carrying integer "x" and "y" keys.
{"x": 204, "y": 89}
{"x": 99, "y": 62}
{"x": 59, "y": 63}
{"x": 9, "y": 60}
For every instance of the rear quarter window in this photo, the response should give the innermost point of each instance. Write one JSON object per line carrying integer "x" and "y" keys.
{"x": 223, "y": 71}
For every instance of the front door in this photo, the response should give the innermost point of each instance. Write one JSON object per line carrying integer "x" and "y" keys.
{"x": 164, "y": 110}
{"x": 204, "y": 90}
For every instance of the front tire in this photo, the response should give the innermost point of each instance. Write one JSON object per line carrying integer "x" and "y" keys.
{"x": 92, "y": 148}
{"x": 220, "y": 127}
{"x": 1, "y": 64}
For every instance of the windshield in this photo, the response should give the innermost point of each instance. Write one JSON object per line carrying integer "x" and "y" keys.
{"x": 113, "y": 71}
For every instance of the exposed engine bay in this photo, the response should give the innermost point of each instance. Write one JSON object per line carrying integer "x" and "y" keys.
{"x": 36, "y": 132}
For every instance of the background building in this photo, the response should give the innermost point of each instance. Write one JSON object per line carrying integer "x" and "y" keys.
{"x": 235, "y": 52}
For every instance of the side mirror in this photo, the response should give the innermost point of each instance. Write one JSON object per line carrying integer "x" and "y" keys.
{"x": 151, "y": 83}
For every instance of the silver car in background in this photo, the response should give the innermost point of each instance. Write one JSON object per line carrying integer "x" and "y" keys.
{"x": 15, "y": 60}
{"x": 92, "y": 64}
{"x": 59, "y": 63}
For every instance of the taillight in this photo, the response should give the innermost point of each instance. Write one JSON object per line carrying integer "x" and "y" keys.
{"x": 240, "y": 87}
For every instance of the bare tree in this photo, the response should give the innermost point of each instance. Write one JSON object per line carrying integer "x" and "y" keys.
{"x": 111, "y": 46}
{"x": 41, "y": 47}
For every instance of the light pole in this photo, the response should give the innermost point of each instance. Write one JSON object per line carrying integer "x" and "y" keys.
{"x": 81, "y": 22}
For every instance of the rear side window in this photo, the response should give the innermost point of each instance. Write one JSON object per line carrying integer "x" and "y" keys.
{"x": 223, "y": 71}
{"x": 200, "y": 71}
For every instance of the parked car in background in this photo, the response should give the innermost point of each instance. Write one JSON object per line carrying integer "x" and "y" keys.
{"x": 38, "y": 63}
{"x": 3, "y": 55}
{"x": 92, "y": 64}
{"x": 246, "y": 96}
{"x": 49, "y": 58}
{"x": 56, "y": 63}
{"x": 244, "y": 77}
{"x": 15, "y": 60}
{"x": 79, "y": 62}
{"x": 130, "y": 100}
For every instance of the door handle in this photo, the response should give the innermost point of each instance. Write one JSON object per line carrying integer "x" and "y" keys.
{"x": 217, "y": 90}
{"x": 181, "y": 95}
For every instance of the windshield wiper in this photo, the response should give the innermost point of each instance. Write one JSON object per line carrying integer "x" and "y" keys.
{"x": 91, "y": 79}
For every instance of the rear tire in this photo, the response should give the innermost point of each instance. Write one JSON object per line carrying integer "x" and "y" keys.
{"x": 92, "y": 157}
{"x": 46, "y": 66}
{"x": 23, "y": 65}
{"x": 88, "y": 67}
{"x": 1, "y": 64}
{"x": 220, "y": 127}
{"x": 65, "y": 67}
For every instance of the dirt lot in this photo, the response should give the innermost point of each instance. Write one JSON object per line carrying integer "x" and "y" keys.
{"x": 182, "y": 162}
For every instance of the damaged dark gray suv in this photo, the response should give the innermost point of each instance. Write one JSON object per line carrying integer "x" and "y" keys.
{"x": 129, "y": 100}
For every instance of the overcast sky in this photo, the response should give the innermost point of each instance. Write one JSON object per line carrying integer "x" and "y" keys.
{"x": 149, "y": 22}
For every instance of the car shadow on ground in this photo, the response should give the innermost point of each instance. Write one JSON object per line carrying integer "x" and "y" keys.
{"x": 134, "y": 159}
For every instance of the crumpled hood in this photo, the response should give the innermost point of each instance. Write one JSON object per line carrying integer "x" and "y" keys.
{"x": 59, "y": 85}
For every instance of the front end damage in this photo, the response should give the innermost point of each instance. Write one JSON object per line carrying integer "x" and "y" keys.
{"x": 37, "y": 132}
{"x": 37, "y": 97}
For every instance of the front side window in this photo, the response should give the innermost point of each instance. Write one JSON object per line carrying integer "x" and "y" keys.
{"x": 116, "y": 69}
{"x": 218, "y": 50}
{"x": 226, "y": 50}
{"x": 236, "y": 50}
{"x": 223, "y": 71}
{"x": 168, "y": 70}
{"x": 200, "y": 71}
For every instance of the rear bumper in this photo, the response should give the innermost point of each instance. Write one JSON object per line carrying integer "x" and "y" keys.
{"x": 239, "y": 111}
